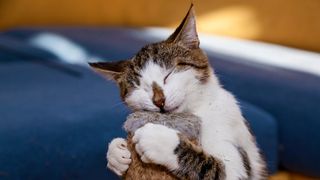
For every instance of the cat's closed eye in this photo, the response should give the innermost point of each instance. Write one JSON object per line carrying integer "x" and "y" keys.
{"x": 185, "y": 64}
{"x": 192, "y": 65}
{"x": 166, "y": 77}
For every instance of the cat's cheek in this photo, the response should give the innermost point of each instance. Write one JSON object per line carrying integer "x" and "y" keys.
{"x": 156, "y": 143}
{"x": 140, "y": 100}
{"x": 174, "y": 99}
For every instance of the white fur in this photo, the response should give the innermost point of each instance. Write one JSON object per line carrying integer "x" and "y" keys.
{"x": 223, "y": 127}
{"x": 118, "y": 156}
{"x": 156, "y": 143}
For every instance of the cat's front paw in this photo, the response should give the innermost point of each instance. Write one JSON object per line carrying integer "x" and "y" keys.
{"x": 156, "y": 143}
{"x": 118, "y": 156}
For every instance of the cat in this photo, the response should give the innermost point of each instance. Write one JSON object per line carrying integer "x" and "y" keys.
{"x": 174, "y": 75}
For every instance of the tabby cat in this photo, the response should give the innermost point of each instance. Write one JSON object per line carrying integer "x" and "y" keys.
{"x": 174, "y": 75}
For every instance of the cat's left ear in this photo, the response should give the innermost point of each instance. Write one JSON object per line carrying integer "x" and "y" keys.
{"x": 186, "y": 32}
{"x": 110, "y": 70}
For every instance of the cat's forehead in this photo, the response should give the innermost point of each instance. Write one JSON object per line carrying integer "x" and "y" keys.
{"x": 161, "y": 53}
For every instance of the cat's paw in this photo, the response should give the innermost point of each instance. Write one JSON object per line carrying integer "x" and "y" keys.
{"x": 156, "y": 143}
{"x": 118, "y": 156}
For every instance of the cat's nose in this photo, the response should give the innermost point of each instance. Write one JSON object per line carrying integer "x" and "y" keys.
{"x": 159, "y": 102}
{"x": 158, "y": 96}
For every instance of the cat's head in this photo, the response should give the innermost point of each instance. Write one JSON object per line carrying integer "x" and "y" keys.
{"x": 163, "y": 76}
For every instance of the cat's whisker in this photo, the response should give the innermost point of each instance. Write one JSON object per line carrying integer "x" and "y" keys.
{"x": 118, "y": 104}
{"x": 125, "y": 110}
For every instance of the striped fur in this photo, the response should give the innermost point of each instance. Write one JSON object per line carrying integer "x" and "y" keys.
{"x": 196, "y": 164}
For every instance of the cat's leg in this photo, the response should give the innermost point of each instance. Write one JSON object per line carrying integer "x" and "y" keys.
{"x": 118, "y": 156}
{"x": 161, "y": 145}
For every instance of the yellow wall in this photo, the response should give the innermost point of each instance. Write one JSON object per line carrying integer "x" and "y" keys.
{"x": 289, "y": 22}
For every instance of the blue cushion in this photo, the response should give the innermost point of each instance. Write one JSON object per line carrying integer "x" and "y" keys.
{"x": 56, "y": 125}
{"x": 56, "y": 119}
{"x": 265, "y": 129}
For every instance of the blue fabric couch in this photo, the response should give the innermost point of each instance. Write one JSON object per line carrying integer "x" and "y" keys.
{"x": 56, "y": 119}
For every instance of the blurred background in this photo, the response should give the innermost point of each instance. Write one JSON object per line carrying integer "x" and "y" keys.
{"x": 57, "y": 116}
{"x": 289, "y": 22}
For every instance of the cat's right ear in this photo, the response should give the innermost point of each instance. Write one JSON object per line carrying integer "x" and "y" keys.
{"x": 110, "y": 70}
{"x": 186, "y": 32}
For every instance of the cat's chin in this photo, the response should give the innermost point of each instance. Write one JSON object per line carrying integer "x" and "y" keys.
{"x": 174, "y": 109}
{"x": 171, "y": 110}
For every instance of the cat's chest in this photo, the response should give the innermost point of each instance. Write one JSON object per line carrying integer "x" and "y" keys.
{"x": 215, "y": 126}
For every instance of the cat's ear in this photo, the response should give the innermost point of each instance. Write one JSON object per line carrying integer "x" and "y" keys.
{"x": 110, "y": 70}
{"x": 186, "y": 32}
